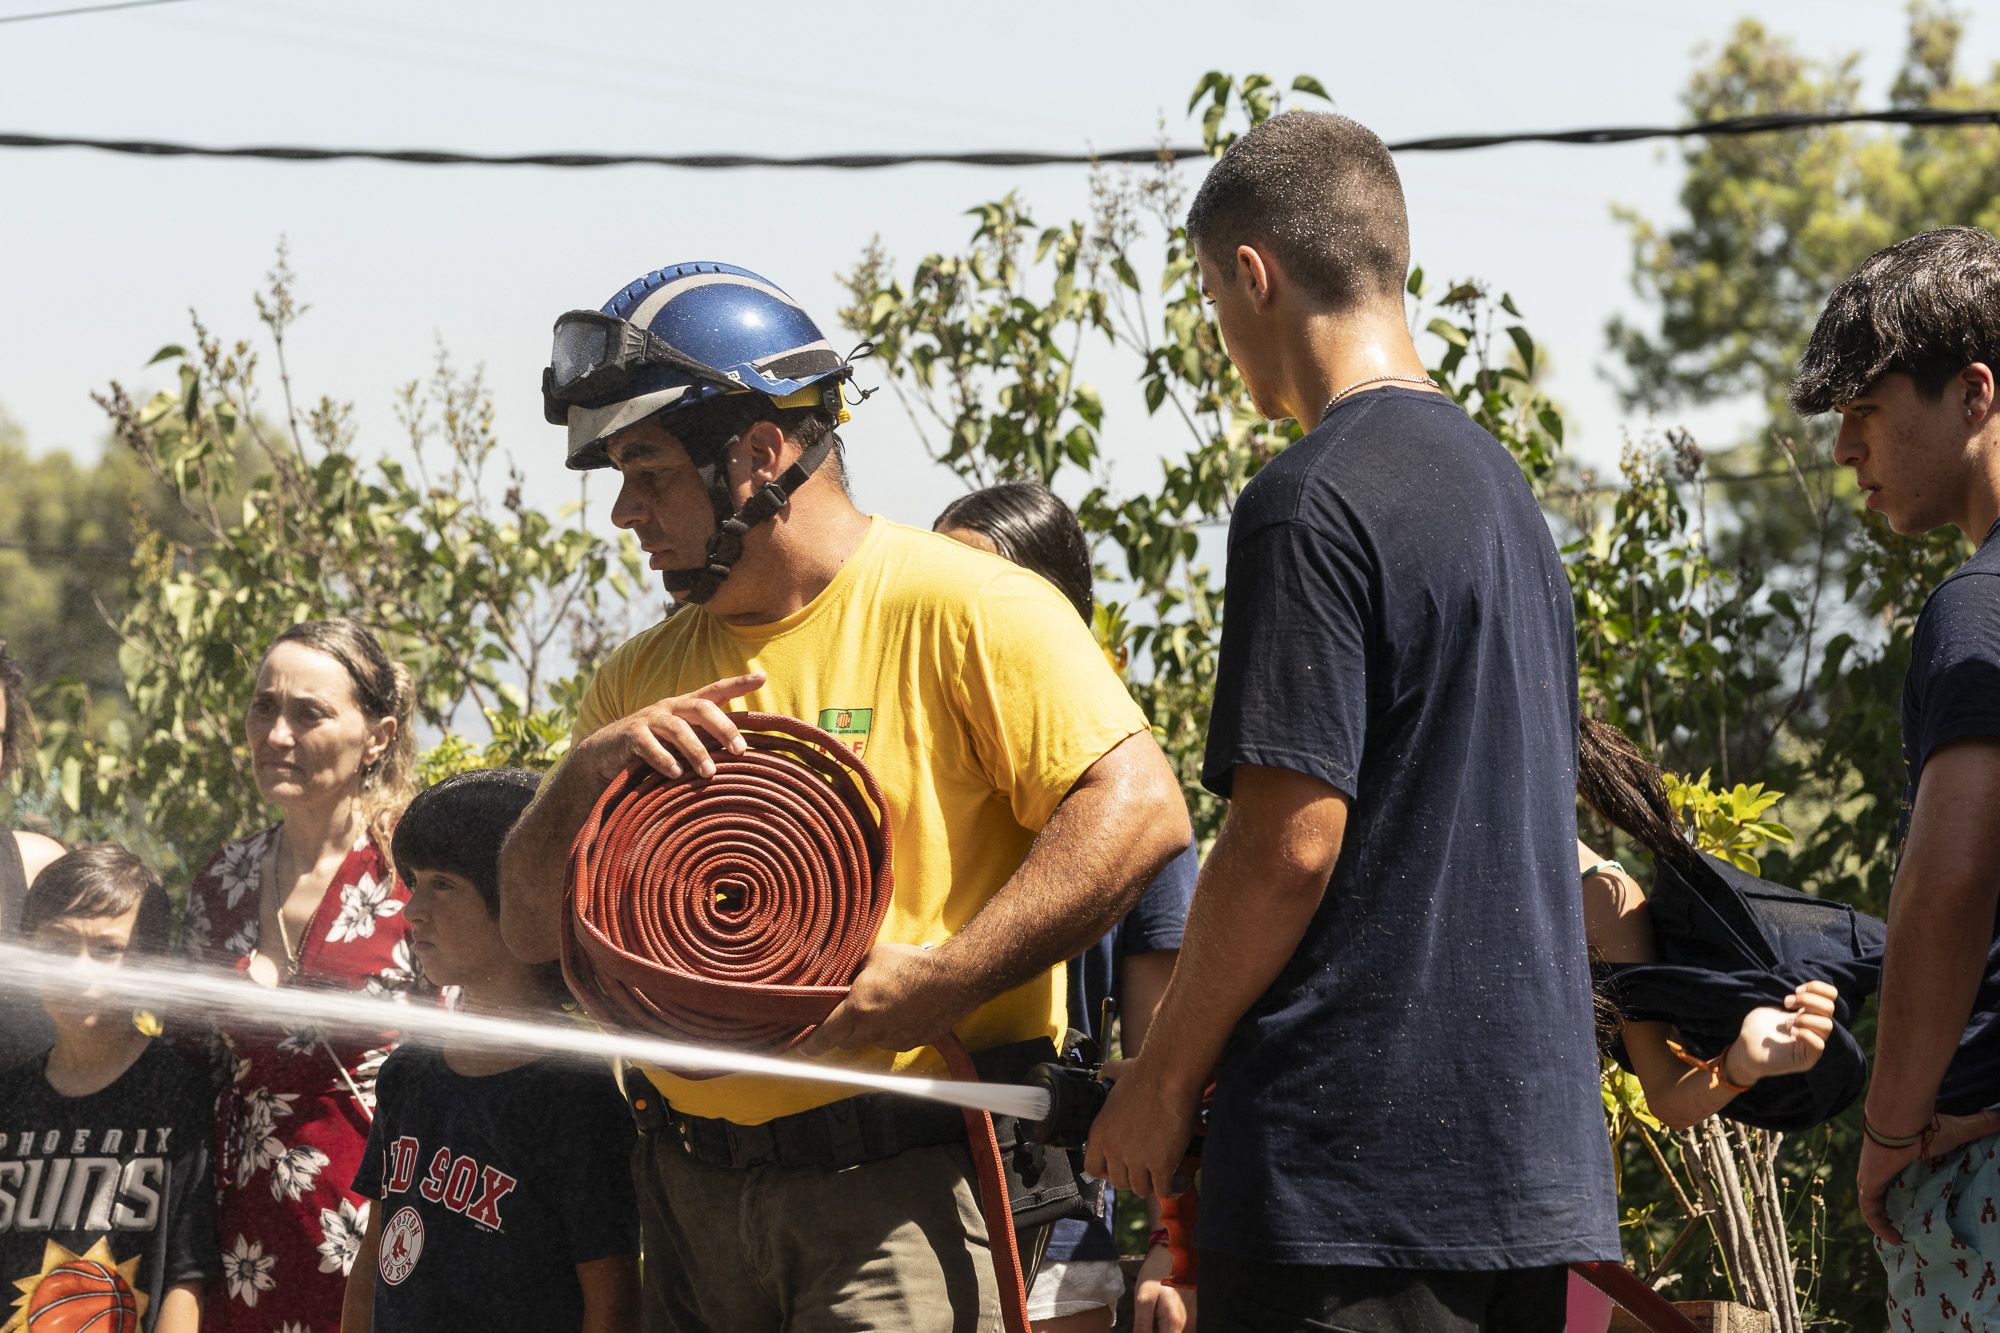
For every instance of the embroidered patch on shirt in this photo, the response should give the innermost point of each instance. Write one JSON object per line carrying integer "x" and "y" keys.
{"x": 850, "y": 724}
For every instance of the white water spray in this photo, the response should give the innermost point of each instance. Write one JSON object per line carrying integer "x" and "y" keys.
{"x": 189, "y": 993}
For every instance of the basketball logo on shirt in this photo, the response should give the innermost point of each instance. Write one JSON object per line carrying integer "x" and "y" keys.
{"x": 402, "y": 1245}
{"x": 74, "y": 1292}
{"x": 851, "y": 725}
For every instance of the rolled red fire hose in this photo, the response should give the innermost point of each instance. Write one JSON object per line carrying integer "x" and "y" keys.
{"x": 737, "y": 909}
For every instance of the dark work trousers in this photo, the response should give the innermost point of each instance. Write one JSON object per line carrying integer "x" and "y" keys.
{"x": 1251, "y": 1296}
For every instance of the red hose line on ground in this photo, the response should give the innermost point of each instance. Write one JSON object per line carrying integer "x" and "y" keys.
{"x": 737, "y": 910}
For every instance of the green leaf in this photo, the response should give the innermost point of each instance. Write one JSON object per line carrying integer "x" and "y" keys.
{"x": 1215, "y": 81}
{"x": 1524, "y": 345}
{"x": 1448, "y": 331}
{"x": 1306, "y": 83}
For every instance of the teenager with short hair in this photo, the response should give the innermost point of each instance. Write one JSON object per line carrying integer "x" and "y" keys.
{"x": 500, "y": 1184}
{"x": 1384, "y": 969}
{"x": 107, "y": 1201}
{"x": 1906, "y": 352}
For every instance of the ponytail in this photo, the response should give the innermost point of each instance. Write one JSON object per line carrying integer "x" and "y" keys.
{"x": 1623, "y": 786}
{"x": 388, "y": 783}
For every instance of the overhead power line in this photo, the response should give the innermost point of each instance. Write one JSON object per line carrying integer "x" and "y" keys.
{"x": 1735, "y": 126}
{"x": 85, "y": 9}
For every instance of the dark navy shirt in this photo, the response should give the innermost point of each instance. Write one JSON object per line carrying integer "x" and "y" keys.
{"x": 1154, "y": 923}
{"x": 1419, "y": 1086}
{"x": 492, "y": 1190}
{"x": 1952, "y": 693}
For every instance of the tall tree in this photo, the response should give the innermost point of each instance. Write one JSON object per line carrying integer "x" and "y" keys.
{"x": 1772, "y": 222}
{"x": 1769, "y": 225}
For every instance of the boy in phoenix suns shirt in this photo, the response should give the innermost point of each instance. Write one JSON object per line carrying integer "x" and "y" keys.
{"x": 500, "y": 1184}
{"x": 107, "y": 1198}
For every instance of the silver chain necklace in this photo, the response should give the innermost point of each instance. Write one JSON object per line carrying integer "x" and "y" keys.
{"x": 1378, "y": 379}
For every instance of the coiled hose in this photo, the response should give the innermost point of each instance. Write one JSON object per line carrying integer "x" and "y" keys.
{"x": 736, "y": 910}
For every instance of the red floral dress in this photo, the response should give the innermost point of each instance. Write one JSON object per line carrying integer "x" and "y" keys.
{"x": 292, "y": 1125}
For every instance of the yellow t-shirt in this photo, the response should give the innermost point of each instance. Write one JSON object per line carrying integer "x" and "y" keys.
{"x": 975, "y": 694}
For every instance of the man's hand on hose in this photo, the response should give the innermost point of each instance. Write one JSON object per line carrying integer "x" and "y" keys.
{"x": 536, "y": 853}
{"x": 1140, "y": 1138}
{"x": 904, "y": 997}
{"x": 669, "y": 734}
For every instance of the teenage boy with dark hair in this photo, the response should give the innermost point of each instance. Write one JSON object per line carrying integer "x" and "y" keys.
{"x": 1906, "y": 352}
{"x": 502, "y": 1185}
{"x": 107, "y": 1196}
{"x": 1384, "y": 966}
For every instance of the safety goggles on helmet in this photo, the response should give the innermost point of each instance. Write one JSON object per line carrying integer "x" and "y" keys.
{"x": 598, "y": 357}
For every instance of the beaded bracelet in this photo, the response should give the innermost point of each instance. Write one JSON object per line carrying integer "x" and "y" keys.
{"x": 1602, "y": 866}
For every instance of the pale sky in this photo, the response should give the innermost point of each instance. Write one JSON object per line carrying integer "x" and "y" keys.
{"x": 102, "y": 256}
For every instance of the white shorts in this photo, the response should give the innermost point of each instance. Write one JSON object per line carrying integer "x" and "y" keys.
{"x": 1073, "y": 1286}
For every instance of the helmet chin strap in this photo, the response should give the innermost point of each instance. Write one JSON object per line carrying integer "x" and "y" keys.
{"x": 725, "y": 545}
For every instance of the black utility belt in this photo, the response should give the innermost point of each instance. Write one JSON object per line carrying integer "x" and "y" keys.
{"x": 1042, "y": 1182}
{"x": 849, "y": 1132}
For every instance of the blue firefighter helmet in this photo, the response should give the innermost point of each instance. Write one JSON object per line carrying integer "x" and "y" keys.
{"x": 678, "y": 336}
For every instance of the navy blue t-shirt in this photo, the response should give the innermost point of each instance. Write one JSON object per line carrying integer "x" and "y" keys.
{"x": 1952, "y": 693}
{"x": 492, "y": 1190}
{"x": 1154, "y": 923}
{"x": 1419, "y": 1086}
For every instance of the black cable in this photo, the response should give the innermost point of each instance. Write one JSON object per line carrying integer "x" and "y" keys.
{"x": 85, "y": 9}
{"x": 1733, "y": 126}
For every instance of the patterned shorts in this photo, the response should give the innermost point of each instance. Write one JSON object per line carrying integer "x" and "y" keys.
{"x": 1942, "y": 1277}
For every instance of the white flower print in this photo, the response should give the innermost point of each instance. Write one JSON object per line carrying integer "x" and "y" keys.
{"x": 296, "y": 1171}
{"x": 365, "y": 1072}
{"x": 263, "y": 1107}
{"x": 257, "y": 1144}
{"x": 300, "y": 1041}
{"x": 241, "y": 867}
{"x": 256, "y": 1155}
{"x": 395, "y": 980}
{"x": 197, "y": 931}
{"x": 248, "y": 1270}
{"x": 342, "y": 1228}
{"x": 360, "y": 904}
{"x": 242, "y": 940}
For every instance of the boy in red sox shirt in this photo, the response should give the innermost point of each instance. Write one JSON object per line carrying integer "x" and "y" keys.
{"x": 502, "y": 1197}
